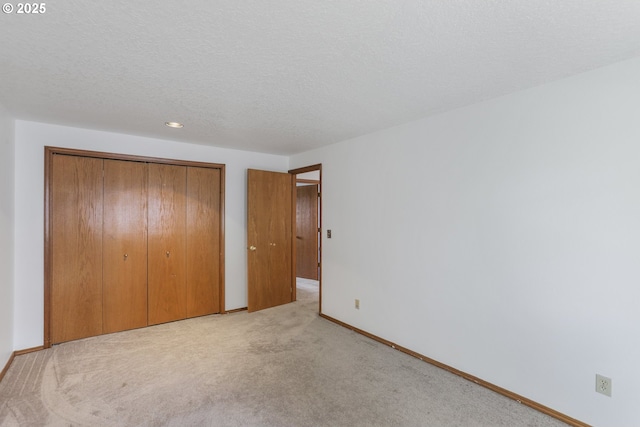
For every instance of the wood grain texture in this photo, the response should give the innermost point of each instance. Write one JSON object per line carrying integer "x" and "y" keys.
{"x": 131, "y": 157}
{"x": 221, "y": 261}
{"x": 167, "y": 296}
{"x": 49, "y": 154}
{"x": 76, "y": 238}
{"x": 307, "y": 232}
{"x": 269, "y": 198}
{"x": 113, "y": 300}
{"x": 203, "y": 241}
{"x": 125, "y": 245}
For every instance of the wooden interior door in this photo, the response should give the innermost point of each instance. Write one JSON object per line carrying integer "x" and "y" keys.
{"x": 203, "y": 241}
{"x": 125, "y": 245}
{"x": 167, "y": 294}
{"x": 76, "y": 235}
{"x": 307, "y": 232}
{"x": 269, "y": 231}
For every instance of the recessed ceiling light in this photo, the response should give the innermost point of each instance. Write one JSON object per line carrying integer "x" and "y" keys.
{"x": 174, "y": 125}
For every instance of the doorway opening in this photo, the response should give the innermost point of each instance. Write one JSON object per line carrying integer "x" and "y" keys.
{"x": 308, "y": 229}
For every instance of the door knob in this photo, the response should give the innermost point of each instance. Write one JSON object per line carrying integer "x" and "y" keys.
{"x": 126, "y": 256}
{"x": 252, "y": 248}
{"x": 168, "y": 254}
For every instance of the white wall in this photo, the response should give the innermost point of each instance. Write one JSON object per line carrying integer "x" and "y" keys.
{"x": 29, "y": 184}
{"x": 502, "y": 239}
{"x": 6, "y": 235}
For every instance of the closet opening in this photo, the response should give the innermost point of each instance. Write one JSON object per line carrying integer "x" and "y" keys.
{"x": 130, "y": 241}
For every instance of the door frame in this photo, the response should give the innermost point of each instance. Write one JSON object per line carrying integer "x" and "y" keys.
{"x": 49, "y": 152}
{"x": 294, "y": 172}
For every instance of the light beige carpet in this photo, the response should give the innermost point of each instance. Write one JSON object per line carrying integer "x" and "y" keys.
{"x": 283, "y": 366}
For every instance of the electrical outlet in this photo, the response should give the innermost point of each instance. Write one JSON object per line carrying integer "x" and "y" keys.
{"x": 603, "y": 385}
{"x": 357, "y": 304}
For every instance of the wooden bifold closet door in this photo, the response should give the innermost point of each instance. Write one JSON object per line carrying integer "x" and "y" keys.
{"x": 203, "y": 260}
{"x": 184, "y": 215}
{"x": 76, "y": 235}
{"x": 167, "y": 243}
{"x": 131, "y": 244}
{"x": 124, "y": 246}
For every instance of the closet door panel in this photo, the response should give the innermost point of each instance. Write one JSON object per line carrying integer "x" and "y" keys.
{"x": 125, "y": 245}
{"x": 203, "y": 241}
{"x": 76, "y": 235}
{"x": 167, "y": 243}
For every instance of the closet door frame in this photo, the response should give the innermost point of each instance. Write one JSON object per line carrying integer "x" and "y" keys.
{"x": 49, "y": 153}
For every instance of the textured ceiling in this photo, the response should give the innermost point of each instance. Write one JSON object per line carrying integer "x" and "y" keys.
{"x": 285, "y": 76}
